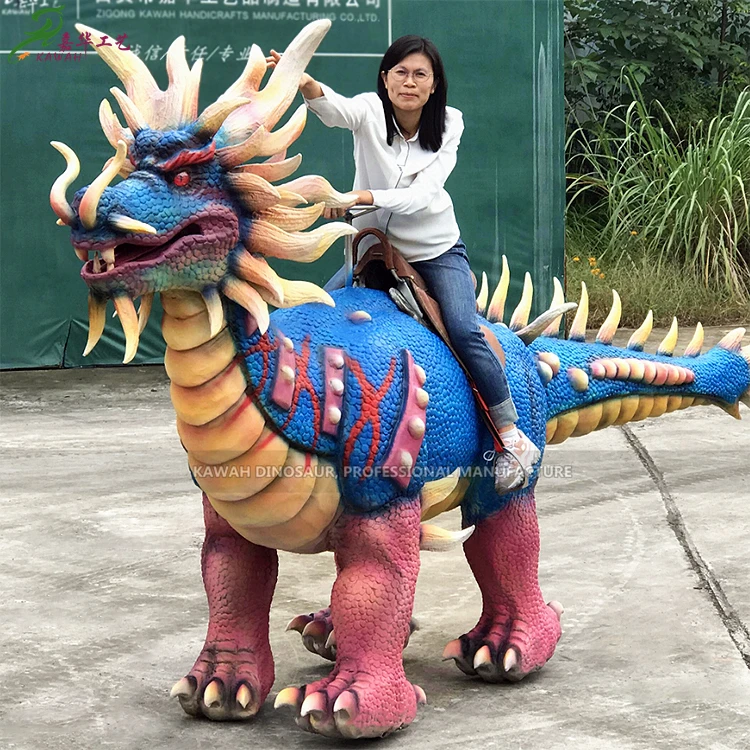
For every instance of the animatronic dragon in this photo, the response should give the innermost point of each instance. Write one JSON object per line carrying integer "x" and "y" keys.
{"x": 338, "y": 423}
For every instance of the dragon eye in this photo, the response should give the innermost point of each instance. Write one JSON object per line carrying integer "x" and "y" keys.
{"x": 181, "y": 179}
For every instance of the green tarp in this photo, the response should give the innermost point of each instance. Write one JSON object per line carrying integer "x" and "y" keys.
{"x": 504, "y": 66}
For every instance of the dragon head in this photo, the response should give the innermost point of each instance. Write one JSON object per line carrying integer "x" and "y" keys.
{"x": 196, "y": 208}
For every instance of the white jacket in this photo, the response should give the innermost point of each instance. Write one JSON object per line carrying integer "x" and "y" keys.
{"x": 405, "y": 180}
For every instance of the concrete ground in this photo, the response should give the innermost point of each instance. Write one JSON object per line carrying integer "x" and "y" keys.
{"x": 645, "y": 539}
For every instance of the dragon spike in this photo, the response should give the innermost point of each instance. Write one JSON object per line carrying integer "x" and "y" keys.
{"x": 733, "y": 341}
{"x": 213, "y": 116}
{"x": 535, "y": 329}
{"x": 125, "y": 310}
{"x": 249, "y": 82}
{"x": 558, "y": 299}
{"x": 609, "y": 327}
{"x": 273, "y": 170}
{"x": 147, "y": 301}
{"x": 435, "y": 539}
{"x": 666, "y": 348}
{"x": 520, "y": 315}
{"x": 184, "y": 83}
{"x": 90, "y": 200}
{"x": 483, "y": 295}
{"x": 693, "y": 349}
{"x": 259, "y": 273}
{"x": 745, "y": 352}
{"x": 215, "y": 309}
{"x": 263, "y": 143}
{"x": 245, "y": 296}
{"x": 269, "y": 104}
{"x": 113, "y": 131}
{"x": 57, "y": 195}
{"x": 578, "y": 329}
{"x": 306, "y": 247}
{"x": 255, "y": 193}
{"x": 97, "y": 318}
{"x": 638, "y": 339}
{"x": 126, "y": 224}
{"x": 293, "y": 219}
{"x": 496, "y": 310}
{"x": 316, "y": 189}
{"x": 301, "y": 292}
{"x": 135, "y": 119}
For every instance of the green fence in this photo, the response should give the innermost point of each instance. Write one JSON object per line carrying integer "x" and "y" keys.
{"x": 504, "y": 66}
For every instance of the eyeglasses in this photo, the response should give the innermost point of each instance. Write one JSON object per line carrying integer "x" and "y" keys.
{"x": 401, "y": 74}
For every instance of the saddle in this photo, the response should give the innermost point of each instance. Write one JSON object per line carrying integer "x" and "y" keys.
{"x": 383, "y": 267}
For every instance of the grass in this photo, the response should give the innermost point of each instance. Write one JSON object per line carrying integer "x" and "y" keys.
{"x": 676, "y": 213}
{"x": 668, "y": 288}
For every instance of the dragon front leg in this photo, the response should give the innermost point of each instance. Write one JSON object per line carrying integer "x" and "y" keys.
{"x": 234, "y": 672}
{"x": 367, "y": 693}
{"x": 517, "y": 632}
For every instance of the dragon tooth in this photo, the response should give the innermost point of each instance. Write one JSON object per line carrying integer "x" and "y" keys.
{"x": 496, "y": 310}
{"x": 215, "y": 308}
{"x": 693, "y": 349}
{"x": 129, "y": 322}
{"x": 483, "y": 295}
{"x": 666, "y": 348}
{"x": 144, "y": 310}
{"x": 97, "y": 318}
{"x": 81, "y": 254}
{"x": 639, "y": 337}
{"x": 108, "y": 256}
{"x": 609, "y": 327}
{"x": 558, "y": 298}
{"x": 733, "y": 340}
{"x": 520, "y": 315}
{"x": 97, "y": 263}
{"x": 578, "y": 329}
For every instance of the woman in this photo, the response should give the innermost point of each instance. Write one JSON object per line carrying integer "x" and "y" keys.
{"x": 405, "y": 145}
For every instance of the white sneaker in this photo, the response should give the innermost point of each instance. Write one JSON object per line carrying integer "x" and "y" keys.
{"x": 514, "y": 464}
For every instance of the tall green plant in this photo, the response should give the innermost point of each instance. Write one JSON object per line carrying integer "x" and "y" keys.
{"x": 683, "y": 201}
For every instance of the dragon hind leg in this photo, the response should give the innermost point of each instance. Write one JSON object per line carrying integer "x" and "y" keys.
{"x": 367, "y": 693}
{"x": 234, "y": 671}
{"x": 517, "y": 632}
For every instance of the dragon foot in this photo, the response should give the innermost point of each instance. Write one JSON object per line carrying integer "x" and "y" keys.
{"x": 318, "y": 635}
{"x": 225, "y": 684}
{"x": 354, "y": 703}
{"x": 505, "y": 648}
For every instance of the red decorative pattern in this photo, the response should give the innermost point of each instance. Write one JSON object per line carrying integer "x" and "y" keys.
{"x": 370, "y": 414}
{"x": 186, "y": 157}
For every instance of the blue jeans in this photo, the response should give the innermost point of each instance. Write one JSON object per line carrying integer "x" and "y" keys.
{"x": 449, "y": 281}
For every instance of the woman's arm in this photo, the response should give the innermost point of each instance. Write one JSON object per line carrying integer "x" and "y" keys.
{"x": 427, "y": 183}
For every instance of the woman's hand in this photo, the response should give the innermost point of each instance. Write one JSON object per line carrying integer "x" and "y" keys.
{"x": 359, "y": 198}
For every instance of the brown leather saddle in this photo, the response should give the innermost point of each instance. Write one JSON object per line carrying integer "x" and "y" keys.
{"x": 383, "y": 267}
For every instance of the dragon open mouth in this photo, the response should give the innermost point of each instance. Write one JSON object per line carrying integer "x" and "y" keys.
{"x": 150, "y": 250}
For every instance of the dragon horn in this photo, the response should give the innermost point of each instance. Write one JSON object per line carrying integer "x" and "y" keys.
{"x": 496, "y": 309}
{"x": 578, "y": 329}
{"x": 639, "y": 337}
{"x": 113, "y": 131}
{"x": 135, "y": 119}
{"x": 670, "y": 340}
{"x": 733, "y": 340}
{"x": 693, "y": 349}
{"x": 213, "y": 116}
{"x": 183, "y": 80}
{"x": 90, "y": 200}
{"x": 520, "y": 315}
{"x": 535, "y": 329}
{"x": 483, "y": 295}
{"x": 609, "y": 327}
{"x": 57, "y": 196}
{"x": 558, "y": 298}
{"x": 268, "y": 105}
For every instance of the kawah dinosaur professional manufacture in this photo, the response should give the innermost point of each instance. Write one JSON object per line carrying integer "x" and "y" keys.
{"x": 338, "y": 422}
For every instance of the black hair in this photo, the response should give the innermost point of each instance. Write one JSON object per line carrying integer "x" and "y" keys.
{"x": 432, "y": 122}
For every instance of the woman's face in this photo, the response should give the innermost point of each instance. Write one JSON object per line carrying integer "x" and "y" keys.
{"x": 410, "y": 83}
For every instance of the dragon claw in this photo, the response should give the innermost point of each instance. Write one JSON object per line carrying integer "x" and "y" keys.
{"x": 557, "y": 608}
{"x": 509, "y": 660}
{"x": 421, "y": 696}
{"x": 212, "y": 694}
{"x": 482, "y": 658}
{"x": 345, "y": 708}
{"x": 289, "y": 696}
{"x": 315, "y": 703}
{"x": 299, "y": 623}
{"x": 183, "y": 688}
{"x": 453, "y": 650}
{"x": 244, "y": 696}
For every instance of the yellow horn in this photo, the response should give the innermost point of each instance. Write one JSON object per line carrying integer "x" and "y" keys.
{"x": 273, "y": 170}
{"x": 57, "y": 195}
{"x": 578, "y": 329}
{"x": 245, "y": 296}
{"x": 693, "y": 349}
{"x": 609, "y": 327}
{"x": 304, "y": 247}
{"x": 670, "y": 340}
{"x": 125, "y": 310}
{"x": 97, "y": 317}
{"x": 558, "y": 299}
{"x": 638, "y": 339}
{"x": 90, "y": 200}
{"x": 483, "y": 294}
{"x": 496, "y": 310}
{"x": 521, "y": 314}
